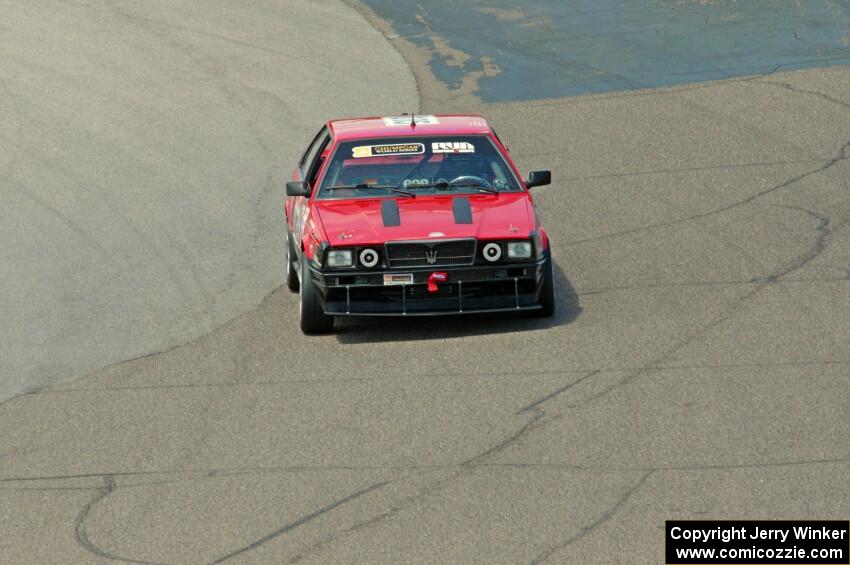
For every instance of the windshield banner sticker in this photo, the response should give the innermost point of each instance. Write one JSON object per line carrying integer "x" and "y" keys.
{"x": 452, "y": 147}
{"x": 394, "y": 149}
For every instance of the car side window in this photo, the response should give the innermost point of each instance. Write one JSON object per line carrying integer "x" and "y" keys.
{"x": 318, "y": 159}
{"x": 312, "y": 150}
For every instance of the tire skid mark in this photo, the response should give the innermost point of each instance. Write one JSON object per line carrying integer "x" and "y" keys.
{"x": 218, "y": 73}
{"x": 80, "y": 525}
{"x": 215, "y": 68}
{"x": 190, "y": 264}
{"x": 70, "y": 224}
{"x": 160, "y": 257}
{"x": 17, "y": 115}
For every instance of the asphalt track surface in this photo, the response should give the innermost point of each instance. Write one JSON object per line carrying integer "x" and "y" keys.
{"x": 697, "y": 367}
{"x": 143, "y": 151}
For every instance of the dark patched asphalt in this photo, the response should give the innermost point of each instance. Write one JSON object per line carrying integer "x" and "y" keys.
{"x": 551, "y": 48}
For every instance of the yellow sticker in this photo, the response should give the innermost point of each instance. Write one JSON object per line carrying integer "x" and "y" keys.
{"x": 363, "y": 151}
{"x": 389, "y": 149}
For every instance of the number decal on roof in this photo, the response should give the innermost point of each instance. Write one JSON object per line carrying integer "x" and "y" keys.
{"x": 405, "y": 120}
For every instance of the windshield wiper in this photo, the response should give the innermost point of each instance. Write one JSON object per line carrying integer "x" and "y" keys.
{"x": 448, "y": 185}
{"x": 475, "y": 185}
{"x": 363, "y": 186}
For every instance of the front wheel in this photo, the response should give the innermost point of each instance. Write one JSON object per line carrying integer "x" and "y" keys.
{"x": 311, "y": 314}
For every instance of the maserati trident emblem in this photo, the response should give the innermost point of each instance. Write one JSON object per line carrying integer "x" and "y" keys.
{"x": 431, "y": 256}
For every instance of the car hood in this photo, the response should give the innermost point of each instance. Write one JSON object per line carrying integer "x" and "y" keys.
{"x": 374, "y": 221}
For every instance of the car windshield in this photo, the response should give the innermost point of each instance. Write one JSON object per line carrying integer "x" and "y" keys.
{"x": 417, "y": 165}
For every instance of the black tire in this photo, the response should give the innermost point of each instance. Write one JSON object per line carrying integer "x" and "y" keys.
{"x": 289, "y": 274}
{"x": 547, "y": 291}
{"x": 311, "y": 314}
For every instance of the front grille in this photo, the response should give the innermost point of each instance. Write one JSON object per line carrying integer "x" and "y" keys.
{"x": 431, "y": 253}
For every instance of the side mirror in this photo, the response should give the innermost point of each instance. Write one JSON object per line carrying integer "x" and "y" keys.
{"x": 539, "y": 178}
{"x": 297, "y": 188}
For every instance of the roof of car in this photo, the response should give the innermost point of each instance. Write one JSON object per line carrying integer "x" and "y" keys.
{"x": 400, "y": 126}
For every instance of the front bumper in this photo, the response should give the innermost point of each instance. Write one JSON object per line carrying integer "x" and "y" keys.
{"x": 469, "y": 289}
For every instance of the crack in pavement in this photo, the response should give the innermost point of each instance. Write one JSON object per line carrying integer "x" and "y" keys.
{"x": 823, "y": 233}
{"x": 369, "y": 468}
{"x": 688, "y": 340}
{"x": 300, "y": 522}
{"x": 309, "y": 382}
{"x": 537, "y": 420}
{"x": 457, "y": 471}
{"x": 110, "y": 487}
{"x": 238, "y": 471}
{"x": 321, "y": 381}
{"x": 661, "y": 91}
{"x": 601, "y": 290}
{"x": 702, "y": 331}
{"x": 822, "y": 45}
{"x": 534, "y": 409}
{"x": 671, "y": 468}
{"x": 534, "y": 405}
{"x": 817, "y": 249}
{"x": 842, "y": 155}
{"x": 600, "y": 521}
{"x": 464, "y": 467}
{"x": 791, "y": 87}
{"x": 722, "y": 167}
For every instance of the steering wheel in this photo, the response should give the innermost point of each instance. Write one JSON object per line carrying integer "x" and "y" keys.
{"x": 470, "y": 179}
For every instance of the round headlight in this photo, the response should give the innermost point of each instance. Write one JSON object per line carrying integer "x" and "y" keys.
{"x": 369, "y": 258}
{"x": 492, "y": 252}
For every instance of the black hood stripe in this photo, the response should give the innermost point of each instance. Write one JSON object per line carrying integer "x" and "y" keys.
{"x": 462, "y": 210}
{"x": 389, "y": 213}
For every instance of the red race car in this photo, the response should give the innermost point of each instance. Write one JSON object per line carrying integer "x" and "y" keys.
{"x": 413, "y": 216}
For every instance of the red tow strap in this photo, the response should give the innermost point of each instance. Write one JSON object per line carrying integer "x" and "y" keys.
{"x": 434, "y": 278}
